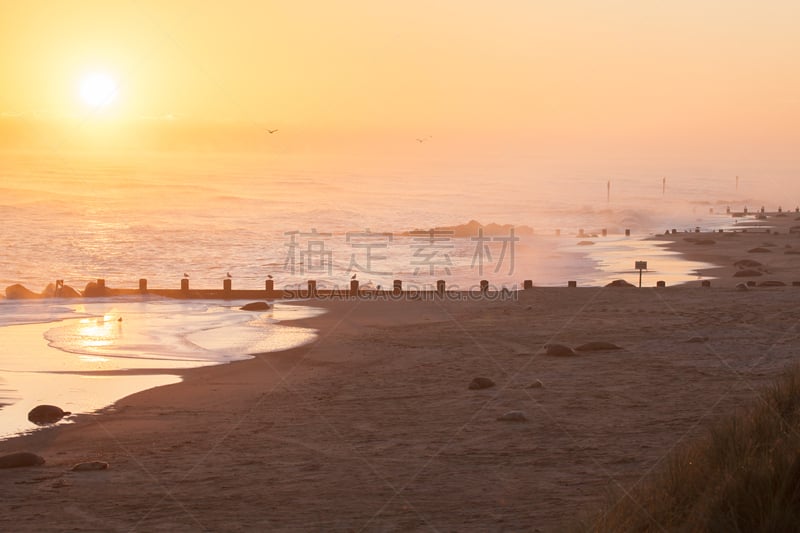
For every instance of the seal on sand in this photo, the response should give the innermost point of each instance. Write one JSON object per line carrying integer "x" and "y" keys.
{"x": 89, "y": 466}
{"x": 559, "y": 349}
{"x": 15, "y": 460}
{"x": 46, "y": 414}
{"x": 597, "y": 345}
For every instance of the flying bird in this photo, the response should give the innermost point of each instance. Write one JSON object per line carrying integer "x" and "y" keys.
{"x": 272, "y": 131}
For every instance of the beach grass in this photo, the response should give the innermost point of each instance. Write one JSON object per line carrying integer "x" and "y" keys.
{"x": 743, "y": 475}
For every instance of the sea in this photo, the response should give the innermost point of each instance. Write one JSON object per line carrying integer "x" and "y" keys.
{"x": 290, "y": 218}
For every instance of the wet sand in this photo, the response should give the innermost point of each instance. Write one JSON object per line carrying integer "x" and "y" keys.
{"x": 373, "y": 426}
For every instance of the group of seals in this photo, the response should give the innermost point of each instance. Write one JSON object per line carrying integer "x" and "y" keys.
{"x": 42, "y": 415}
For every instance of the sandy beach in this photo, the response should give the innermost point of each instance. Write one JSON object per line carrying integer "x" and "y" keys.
{"x": 373, "y": 427}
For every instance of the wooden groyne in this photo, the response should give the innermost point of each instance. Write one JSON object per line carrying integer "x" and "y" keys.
{"x": 99, "y": 289}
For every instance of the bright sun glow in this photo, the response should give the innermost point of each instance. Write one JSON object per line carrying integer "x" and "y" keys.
{"x": 98, "y": 90}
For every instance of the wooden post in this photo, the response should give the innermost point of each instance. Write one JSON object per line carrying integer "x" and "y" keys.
{"x": 627, "y": 233}
{"x": 185, "y": 284}
{"x": 604, "y": 231}
{"x": 440, "y": 287}
{"x": 143, "y": 285}
{"x": 353, "y": 287}
{"x": 484, "y": 285}
{"x": 269, "y": 285}
{"x": 705, "y": 283}
{"x": 661, "y": 284}
{"x": 312, "y": 287}
{"x": 527, "y": 284}
{"x": 398, "y": 286}
{"x": 572, "y": 284}
{"x": 558, "y": 233}
{"x": 226, "y": 286}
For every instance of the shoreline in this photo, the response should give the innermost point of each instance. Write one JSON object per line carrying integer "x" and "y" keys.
{"x": 333, "y": 433}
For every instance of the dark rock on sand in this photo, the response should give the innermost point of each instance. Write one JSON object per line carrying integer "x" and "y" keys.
{"x": 595, "y": 346}
{"x": 46, "y": 414}
{"x": 792, "y": 252}
{"x": 255, "y": 306}
{"x": 90, "y": 466}
{"x": 742, "y": 286}
{"x": 513, "y": 416}
{"x": 15, "y": 460}
{"x": 759, "y": 250}
{"x": 480, "y": 383}
{"x": 20, "y": 292}
{"x": 620, "y": 283}
{"x": 747, "y": 263}
{"x": 747, "y": 274}
{"x": 585, "y": 243}
{"x": 559, "y": 350}
{"x": 537, "y": 384}
{"x": 772, "y": 283}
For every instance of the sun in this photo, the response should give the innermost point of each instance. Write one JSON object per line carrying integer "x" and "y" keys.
{"x": 98, "y": 90}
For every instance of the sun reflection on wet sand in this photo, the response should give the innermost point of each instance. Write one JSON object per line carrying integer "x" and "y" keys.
{"x": 59, "y": 363}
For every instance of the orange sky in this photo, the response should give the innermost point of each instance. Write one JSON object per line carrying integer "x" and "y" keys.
{"x": 698, "y": 75}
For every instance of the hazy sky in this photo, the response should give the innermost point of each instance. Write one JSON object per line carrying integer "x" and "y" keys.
{"x": 704, "y": 75}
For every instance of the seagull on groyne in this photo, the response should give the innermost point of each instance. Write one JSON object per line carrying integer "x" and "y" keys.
{"x": 185, "y": 275}
{"x": 353, "y": 276}
{"x": 269, "y": 276}
{"x": 229, "y": 275}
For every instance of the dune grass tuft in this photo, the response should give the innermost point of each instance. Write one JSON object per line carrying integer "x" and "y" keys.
{"x": 743, "y": 476}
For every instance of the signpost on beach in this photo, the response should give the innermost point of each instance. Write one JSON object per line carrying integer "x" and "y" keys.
{"x": 641, "y": 265}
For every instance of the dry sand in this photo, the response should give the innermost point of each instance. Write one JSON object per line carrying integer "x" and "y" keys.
{"x": 373, "y": 427}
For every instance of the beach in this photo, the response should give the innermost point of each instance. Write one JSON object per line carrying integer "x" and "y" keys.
{"x": 373, "y": 427}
